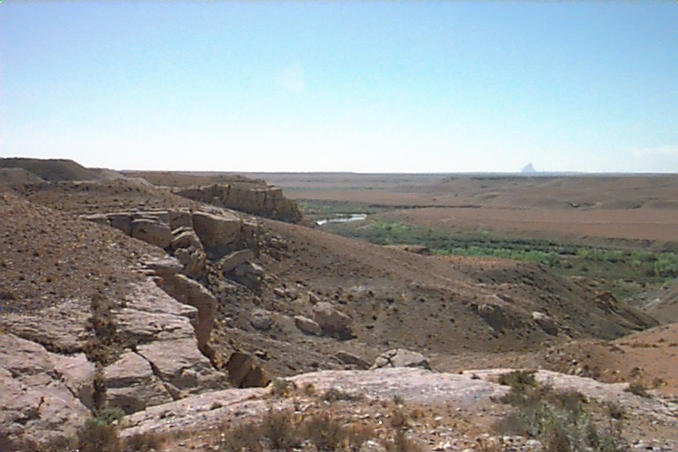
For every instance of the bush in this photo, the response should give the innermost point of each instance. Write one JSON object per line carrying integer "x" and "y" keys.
{"x": 325, "y": 433}
{"x": 239, "y": 438}
{"x": 143, "y": 442}
{"x": 100, "y": 433}
{"x": 639, "y": 390}
{"x": 335, "y": 395}
{"x": 98, "y": 436}
{"x": 280, "y": 430}
{"x": 559, "y": 420}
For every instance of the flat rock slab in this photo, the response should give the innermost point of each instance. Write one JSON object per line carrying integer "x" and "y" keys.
{"x": 413, "y": 385}
{"x": 37, "y": 401}
{"x": 470, "y": 390}
{"x": 131, "y": 384}
{"x": 61, "y": 327}
{"x": 181, "y": 366}
{"x": 214, "y": 408}
{"x": 606, "y": 392}
{"x": 199, "y": 412}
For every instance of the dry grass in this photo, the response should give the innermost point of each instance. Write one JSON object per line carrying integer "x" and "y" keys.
{"x": 326, "y": 433}
{"x": 639, "y": 390}
{"x": 282, "y": 430}
{"x": 336, "y": 395}
{"x": 559, "y": 420}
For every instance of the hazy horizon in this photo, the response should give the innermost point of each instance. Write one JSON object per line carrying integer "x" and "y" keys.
{"x": 407, "y": 87}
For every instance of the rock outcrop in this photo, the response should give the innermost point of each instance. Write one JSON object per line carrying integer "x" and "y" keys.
{"x": 190, "y": 292}
{"x": 151, "y": 231}
{"x": 215, "y": 234}
{"x": 258, "y": 199}
{"x": 169, "y": 335}
{"x": 131, "y": 384}
{"x": 400, "y": 357}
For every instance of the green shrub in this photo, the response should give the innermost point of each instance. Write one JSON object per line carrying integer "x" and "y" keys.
{"x": 98, "y": 436}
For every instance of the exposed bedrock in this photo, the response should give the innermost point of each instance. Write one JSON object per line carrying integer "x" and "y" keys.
{"x": 263, "y": 200}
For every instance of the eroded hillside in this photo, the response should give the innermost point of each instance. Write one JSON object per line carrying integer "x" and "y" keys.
{"x": 122, "y": 294}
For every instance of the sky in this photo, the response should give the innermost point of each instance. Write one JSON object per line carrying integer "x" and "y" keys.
{"x": 425, "y": 86}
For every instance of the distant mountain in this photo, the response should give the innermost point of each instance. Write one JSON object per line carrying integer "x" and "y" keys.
{"x": 528, "y": 169}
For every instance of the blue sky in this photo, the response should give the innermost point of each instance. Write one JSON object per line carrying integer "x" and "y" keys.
{"x": 333, "y": 86}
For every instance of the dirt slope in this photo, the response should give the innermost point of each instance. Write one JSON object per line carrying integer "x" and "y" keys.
{"x": 432, "y": 304}
{"x": 394, "y": 298}
{"x": 48, "y": 257}
{"x": 53, "y": 170}
{"x": 186, "y": 179}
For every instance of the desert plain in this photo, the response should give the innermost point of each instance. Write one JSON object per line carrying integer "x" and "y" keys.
{"x": 219, "y": 311}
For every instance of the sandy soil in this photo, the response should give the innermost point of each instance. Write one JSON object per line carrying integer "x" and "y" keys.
{"x": 643, "y": 207}
{"x": 47, "y": 257}
{"x": 395, "y": 299}
{"x": 659, "y": 225}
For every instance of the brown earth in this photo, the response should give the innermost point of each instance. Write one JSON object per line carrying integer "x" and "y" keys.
{"x": 462, "y": 312}
{"x": 637, "y": 207}
{"x": 47, "y": 257}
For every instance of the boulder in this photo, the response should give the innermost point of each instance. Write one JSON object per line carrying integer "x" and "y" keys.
{"x": 307, "y": 325}
{"x": 152, "y": 231}
{"x": 351, "y": 360}
{"x": 498, "y": 317}
{"x": 546, "y": 323}
{"x": 248, "y": 274}
{"x": 261, "y": 319}
{"x": 331, "y": 320}
{"x": 131, "y": 384}
{"x": 243, "y": 371}
{"x": 216, "y": 232}
{"x": 400, "y": 357}
{"x": 257, "y": 378}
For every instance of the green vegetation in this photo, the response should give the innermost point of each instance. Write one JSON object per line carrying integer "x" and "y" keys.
{"x": 318, "y": 210}
{"x": 624, "y": 272}
{"x": 561, "y": 421}
{"x": 100, "y": 432}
